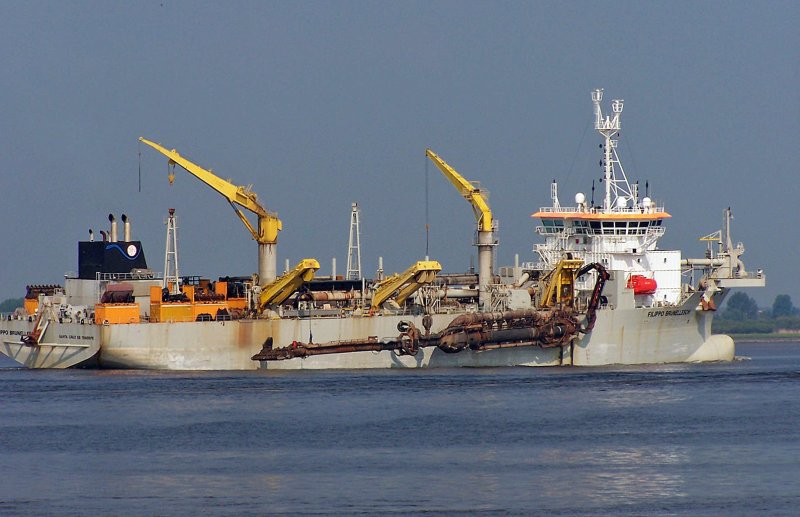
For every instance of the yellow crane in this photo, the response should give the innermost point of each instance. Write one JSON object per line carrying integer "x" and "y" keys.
{"x": 483, "y": 215}
{"x": 558, "y": 286}
{"x": 266, "y": 234}
{"x": 402, "y": 285}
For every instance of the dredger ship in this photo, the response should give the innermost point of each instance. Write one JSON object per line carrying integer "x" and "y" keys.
{"x": 600, "y": 292}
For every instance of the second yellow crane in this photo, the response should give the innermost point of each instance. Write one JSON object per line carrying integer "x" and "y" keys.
{"x": 483, "y": 215}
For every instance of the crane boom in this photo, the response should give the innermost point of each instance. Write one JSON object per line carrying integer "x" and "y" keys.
{"x": 473, "y": 194}
{"x": 236, "y": 195}
{"x": 266, "y": 235}
{"x": 280, "y": 289}
{"x": 405, "y": 284}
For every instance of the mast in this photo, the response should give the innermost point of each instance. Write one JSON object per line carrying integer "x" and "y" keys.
{"x": 354, "y": 245}
{"x": 171, "y": 275}
{"x": 618, "y": 191}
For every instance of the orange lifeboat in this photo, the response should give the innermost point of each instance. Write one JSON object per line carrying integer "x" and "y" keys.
{"x": 642, "y": 285}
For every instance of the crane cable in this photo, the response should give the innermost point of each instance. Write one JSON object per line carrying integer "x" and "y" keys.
{"x": 140, "y": 167}
{"x": 427, "y": 220}
{"x": 578, "y": 150}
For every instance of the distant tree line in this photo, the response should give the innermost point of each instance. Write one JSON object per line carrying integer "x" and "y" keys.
{"x": 11, "y": 304}
{"x": 741, "y": 315}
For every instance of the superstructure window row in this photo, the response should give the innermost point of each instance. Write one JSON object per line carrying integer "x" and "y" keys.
{"x": 582, "y": 227}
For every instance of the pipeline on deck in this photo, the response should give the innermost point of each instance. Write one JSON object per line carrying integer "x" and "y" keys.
{"x": 474, "y": 331}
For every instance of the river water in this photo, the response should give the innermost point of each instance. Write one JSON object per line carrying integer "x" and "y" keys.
{"x": 712, "y": 439}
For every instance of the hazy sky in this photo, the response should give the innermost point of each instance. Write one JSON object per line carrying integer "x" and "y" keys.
{"x": 319, "y": 104}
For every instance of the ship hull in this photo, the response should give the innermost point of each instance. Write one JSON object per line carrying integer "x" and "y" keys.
{"x": 63, "y": 345}
{"x": 620, "y": 336}
{"x": 671, "y": 334}
{"x": 652, "y": 336}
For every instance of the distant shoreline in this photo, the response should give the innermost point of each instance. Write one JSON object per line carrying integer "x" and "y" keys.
{"x": 771, "y": 338}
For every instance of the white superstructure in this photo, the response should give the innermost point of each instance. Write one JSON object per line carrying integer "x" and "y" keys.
{"x": 621, "y": 232}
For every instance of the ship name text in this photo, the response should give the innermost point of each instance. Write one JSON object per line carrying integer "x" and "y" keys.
{"x": 70, "y": 336}
{"x": 660, "y": 314}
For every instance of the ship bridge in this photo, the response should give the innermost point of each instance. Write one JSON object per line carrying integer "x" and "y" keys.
{"x": 620, "y": 232}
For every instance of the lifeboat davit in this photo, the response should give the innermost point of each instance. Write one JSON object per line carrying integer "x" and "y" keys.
{"x": 642, "y": 285}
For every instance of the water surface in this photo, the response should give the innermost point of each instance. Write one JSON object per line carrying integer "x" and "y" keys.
{"x": 711, "y": 439}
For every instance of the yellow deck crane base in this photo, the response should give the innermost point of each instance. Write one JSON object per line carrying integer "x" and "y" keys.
{"x": 559, "y": 284}
{"x": 280, "y": 289}
{"x": 402, "y": 285}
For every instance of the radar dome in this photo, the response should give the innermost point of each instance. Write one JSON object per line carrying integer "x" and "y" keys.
{"x": 622, "y": 202}
{"x": 580, "y": 198}
{"x": 647, "y": 202}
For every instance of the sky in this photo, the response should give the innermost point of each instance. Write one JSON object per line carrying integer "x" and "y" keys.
{"x": 321, "y": 104}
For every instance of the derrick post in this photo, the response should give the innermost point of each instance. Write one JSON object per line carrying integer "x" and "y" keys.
{"x": 485, "y": 273}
